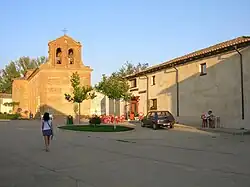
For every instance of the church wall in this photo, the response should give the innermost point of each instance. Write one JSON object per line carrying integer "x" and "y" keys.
{"x": 34, "y": 94}
{"x": 43, "y": 90}
{"x": 20, "y": 94}
{"x": 54, "y": 84}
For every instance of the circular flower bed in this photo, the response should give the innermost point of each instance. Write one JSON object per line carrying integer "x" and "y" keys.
{"x": 98, "y": 128}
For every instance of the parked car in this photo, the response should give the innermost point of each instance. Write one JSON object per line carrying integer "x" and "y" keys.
{"x": 157, "y": 119}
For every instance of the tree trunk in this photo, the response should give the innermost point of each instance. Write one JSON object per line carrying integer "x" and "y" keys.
{"x": 126, "y": 109}
{"x": 79, "y": 113}
{"x": 114, "y": 114}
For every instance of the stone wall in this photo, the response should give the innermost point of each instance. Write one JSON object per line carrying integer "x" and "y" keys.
{"x": 20, "y": 94}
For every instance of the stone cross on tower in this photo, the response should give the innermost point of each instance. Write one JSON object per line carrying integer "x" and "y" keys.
{"x": 65, "y": 31}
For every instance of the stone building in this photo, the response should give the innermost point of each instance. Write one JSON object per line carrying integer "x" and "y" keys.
{"x": 216, "y": 78}
{"x": 43, "y": 89}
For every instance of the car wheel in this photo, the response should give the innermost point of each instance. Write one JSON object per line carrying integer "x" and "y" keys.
{"x": 155, "y": 126}
{"x": 171, "y": 125}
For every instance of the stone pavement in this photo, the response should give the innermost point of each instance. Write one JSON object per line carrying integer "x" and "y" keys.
{"x": 141, "y": 158}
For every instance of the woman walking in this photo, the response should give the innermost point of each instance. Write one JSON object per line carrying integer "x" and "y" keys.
{"x": 47, "y": 130}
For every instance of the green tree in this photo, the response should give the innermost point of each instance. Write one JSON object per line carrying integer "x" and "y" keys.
{"x": 17, "y": 69}
{"x": 75, "y": 108}
{"x": 129, "y": 68}
{"x": 7, "y": 75}
{"x": 80, "y": 93}
{"x": 25, "y": 63}
{"x": 114, "y": 87}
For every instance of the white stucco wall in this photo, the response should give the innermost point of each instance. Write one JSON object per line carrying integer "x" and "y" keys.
{"x": 102, "y": 105}
{"x": 98, "y": 104}
{"x": 219, "y": 90}
{"x": 4, "y": 108}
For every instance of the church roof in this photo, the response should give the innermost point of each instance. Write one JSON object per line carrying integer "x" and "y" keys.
{"x": 20, "y": 78}
{"x": 26, "y": 74}
{"x": 67, "y": 38}
{"x": 219, "y": 48}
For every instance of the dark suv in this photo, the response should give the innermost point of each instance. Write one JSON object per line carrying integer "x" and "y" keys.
{"x": 157, "y": 119}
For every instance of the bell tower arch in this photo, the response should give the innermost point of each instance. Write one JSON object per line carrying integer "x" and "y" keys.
{"x": 65, "y": 52}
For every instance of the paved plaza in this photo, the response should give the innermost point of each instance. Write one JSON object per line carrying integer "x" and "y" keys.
{"x": 140, "y": 158}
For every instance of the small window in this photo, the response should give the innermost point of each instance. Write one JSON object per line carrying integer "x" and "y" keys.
{"x": 58, "y": 56}
{"x": 153, "y": 80}
{"x": 153, "y": 104}
{"x": 133, "y": 83}
{"x": 203, "y": 69}
{"x": 71, "y": 56}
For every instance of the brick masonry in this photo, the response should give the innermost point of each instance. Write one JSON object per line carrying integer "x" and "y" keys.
{"x": 43, "y": 89}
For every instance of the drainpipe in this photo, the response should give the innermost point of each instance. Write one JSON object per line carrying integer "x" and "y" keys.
{"x": 147, "y": 94}
{"x": 241, "y": 85}
{"x": 177, "y": 92}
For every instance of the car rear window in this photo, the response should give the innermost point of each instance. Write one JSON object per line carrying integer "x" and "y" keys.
{"x": 164, "y": 113}
{"x": 161, "y": 113}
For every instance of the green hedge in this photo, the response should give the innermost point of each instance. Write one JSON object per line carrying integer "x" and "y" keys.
{"x": 9, "y": 116}
{"x": 98, "y": 128}
{"x": 95, "y": 121}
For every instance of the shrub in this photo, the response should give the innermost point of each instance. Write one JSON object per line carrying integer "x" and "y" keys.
{"x": 95, "y": 120}
{"x": 10, "y": 116}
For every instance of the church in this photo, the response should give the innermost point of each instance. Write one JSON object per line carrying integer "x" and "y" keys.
{"x": 42, "y": 89}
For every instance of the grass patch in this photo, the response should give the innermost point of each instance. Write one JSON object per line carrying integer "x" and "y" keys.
{"x": 10, "y": 116}
{"x": 98, "y": 128}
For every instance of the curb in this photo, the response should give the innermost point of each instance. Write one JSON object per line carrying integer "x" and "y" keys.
{"x": 184, "y": 126}
{"x": 234, "y": 132}
{"x": 4, "y": 120}
{"x": 225, "y": 131}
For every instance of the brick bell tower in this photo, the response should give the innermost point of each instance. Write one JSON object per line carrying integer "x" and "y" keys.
{"x": 65, "y": 58}
{"x": 65, "y": 52}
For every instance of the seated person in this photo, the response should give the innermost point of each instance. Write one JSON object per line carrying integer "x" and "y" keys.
{"x": 210, "y": 118}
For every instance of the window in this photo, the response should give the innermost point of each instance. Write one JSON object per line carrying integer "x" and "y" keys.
{"x": 162, "y": 114}
{"x": 203, "y": 69}
{"x": 133, "y": 83}
{"x": 153, "y": 104}
{"x": 71, "y": 56}
{"x": 153, "y": 80}
{"x": 58, "y": 56}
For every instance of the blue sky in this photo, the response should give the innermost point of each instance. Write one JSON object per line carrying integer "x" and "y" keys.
{"x": 115, "y": 31}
